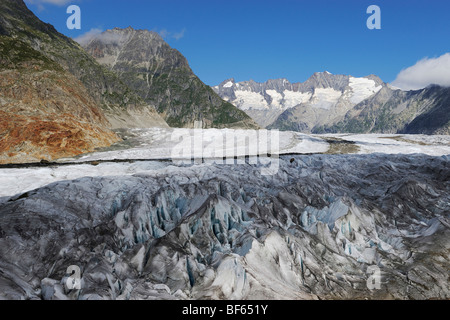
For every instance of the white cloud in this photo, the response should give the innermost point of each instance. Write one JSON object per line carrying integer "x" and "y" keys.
{"x": 88, "y": 36}
{"x": 40, "y": 4}
{"x": 425, "y": 72}
{"x": 179, "y": 35}
{"x": 165, "y": 34}
{"x": 108, "y": 36}
{"x": 55, "y": 2}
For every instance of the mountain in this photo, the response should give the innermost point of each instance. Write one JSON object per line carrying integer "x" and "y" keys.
{"x": 435, "y": 120}
{"x": 122, "y": 106}
{"x": 163, "y": 79}
{"x": 55, "y": 99}
{"x": 425, "y": 111}
{"x": 328, "y": 103}
{"x": 323, "y": 98}
{"x": 45, "y": 111}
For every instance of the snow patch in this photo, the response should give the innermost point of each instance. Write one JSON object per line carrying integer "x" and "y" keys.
{"x": 247, "y": 100}
{"x": 438, "y": 145}
{"x": 229, "y": 84}
{"x": 362, "y": 89}
{"x": 276, "y": 98}
{"x": 325, "y": 98}
{"x": 294, "y": 98}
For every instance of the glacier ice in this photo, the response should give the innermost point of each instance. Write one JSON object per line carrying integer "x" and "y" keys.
{"x": 312, "y": 231}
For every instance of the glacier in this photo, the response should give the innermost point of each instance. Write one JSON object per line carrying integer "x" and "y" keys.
{"x": 314, "y": 230}
{"x": 157, "y": 146}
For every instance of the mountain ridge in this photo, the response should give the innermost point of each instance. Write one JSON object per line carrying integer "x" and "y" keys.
{"x": 116, "y": 99}
{"x": 423, "y": 111}
{"x": 46, "y": 112}
{"x": 328, "y": 103}
{"x": 265, "y": 102}
{"x": 163, "y": 78}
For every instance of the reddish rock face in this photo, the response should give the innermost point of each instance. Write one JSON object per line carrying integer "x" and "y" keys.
{"x": 46, "y": 115}
{"x": 30, "y": 139}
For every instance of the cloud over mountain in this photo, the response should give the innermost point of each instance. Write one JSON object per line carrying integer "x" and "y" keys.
{"x": 41, "y": 3}
{"x": 425, "y": 72}
{"x": 57, "y": 2}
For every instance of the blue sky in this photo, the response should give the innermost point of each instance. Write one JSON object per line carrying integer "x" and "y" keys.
{"x": 261, "y": 40}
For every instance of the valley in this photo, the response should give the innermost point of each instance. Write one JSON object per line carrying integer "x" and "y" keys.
{"x": 124, "y": 176}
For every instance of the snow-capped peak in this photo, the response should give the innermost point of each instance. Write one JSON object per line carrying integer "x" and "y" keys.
{"x": 229, "y": 84}
{"x": 322, "y": 92}
{"x": 362, "y": 88}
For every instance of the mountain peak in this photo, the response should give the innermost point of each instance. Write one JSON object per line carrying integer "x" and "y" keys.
{"x": 162, "y": 78}
{"x": 130, "y": 31}
{"x": 375, "y": 78}
{"x": 323, "y": 93}
{"x": 16, "y": 19}
{"x": 227, "y": 83}
{"x": 326, "y": 80}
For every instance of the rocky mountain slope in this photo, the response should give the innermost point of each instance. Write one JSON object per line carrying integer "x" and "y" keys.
{"x": 162, "y": 77}
{"x": 120, "y": 104}
{"x": 323, "y": 98}
{"x": 424, "y": 111}
{"x": 56, "y": 100}
{"x": 45, "y": 112}
{"x": 324, "y": 227}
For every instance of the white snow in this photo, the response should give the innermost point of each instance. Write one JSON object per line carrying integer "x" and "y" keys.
{"x": 276, "y": 99}
{"x": 158, "y": 143}
{"x": 325, "y": 98}
{"x": 305, "y": 144}
{"x": 362, "y": 89}
{"x": 437, "y": 145}
{"x": 246, "y": 100}
{"x": 294, "y": 98}
{"x": 198, "y": 143}
{"x": 229, "y": 84}
{"x": 358, "y": 90}
{"x": 16, "y": 181}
